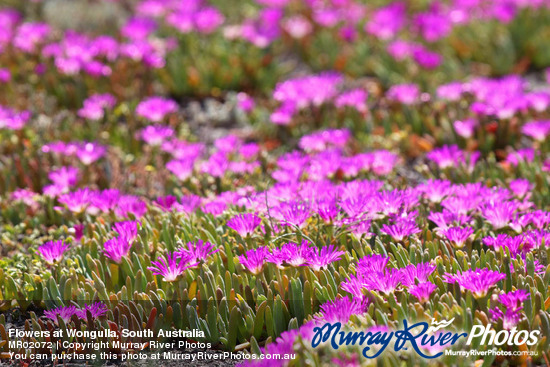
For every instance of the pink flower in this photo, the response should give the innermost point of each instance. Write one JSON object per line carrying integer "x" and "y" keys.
{"x": 400, "y": 229}
{"x": 465, "y": 128}
{"x": 95, "y": 106}
{"x": 537, "y": 130}
{"x": 116, "y": 248}
{"x": 422, "y": 291}
{"x": 341, "y": 309}
{"x": 170, "y": 268}
{"x": 253, "y": 260}
{"x": 477, "y": 281}
{"x": 156, "y": 134}
{"x": 52, "y": 251}
{"x": 407, "y": 94}
{"x": 387, "y": 21}
{"x": 245, "y": 102}
{"x": 355, "y": 98}
{"x": 196, "y": 253}
{"x": 297, "y": 26}
{"x": 457, "y": 235}
{"x": 156, "y": 108}
{"x": 244, "y": 224}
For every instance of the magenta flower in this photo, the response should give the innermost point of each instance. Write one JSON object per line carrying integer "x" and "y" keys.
{"x": 103, "y": 201}
{"x": 182, "y": 169}
{"x": 372, "y": 264}
{"x": 401, "y": 228}
{"x": 361, "y": 228}
{"x": 458, "y": 235}
{"x": 325, "y": 256}
{"x": 196, "y": 253}
{"x": 170, "y": 268}
{"x": 52, "y": 251}
{"x": 5, "y": 75}
{"x": 166, "y": 203}
{"x": 477, "y": 281}
{"x": 426, "y": 58}
{"x": 327, "y": 209}
{"x": 90, "y": 152}
{"x": 354, "y": 285}
{"x": 291, "y": 254}
{"x": 537, "y": 130}
{"x": 13, "y": 120}
{"x": 341, "y": 309}
{"x": 407, "y": 94}
{"x": 299, "y": 93}
{"x": 521, "y": 187}
{"x": 188, "y": 203}
{"x": 208, "y": 19}
{"x": 401, "y": 50}
{"x": 433, "y": 25}
{"x": 499, "y": 214}
{"x": 65, "y": 312}
{"x": 386, "y": 282}
{"x": 25, "y": 196}
{"x": 536, "y": 238}
{"x": 373, "y": 275}
{"x": 29, "y": 36}
{"x": 294, "y": 213}
{"x": 422, "y": 291}
{"x": 459, "y": 207}
{"x": 244, "y": 224}
{"x": 149, "y": 52}
{"x": 216, "y": 208}
{"x": 95, "y": 106}
{"x": 156, "y": 134}
{"x": 138, "y": 28}
{"x": 216, "y": 165}
{"x": 526, "y": 155}
{"x": 283, "y": 345}
{"x": 249, "y": 151}
{"x": 450, "y": 92}
{"x": 465, "y": 128}
{"x": 343, "y": 360}
{"x": 116, "y": 248}
{"x": 512, "y": 303}
{"x": 355, "y": 98}
{"x": 393, "y": 202}
{"x": 253, "y": 260}
{"x": 64, "y": 177}
{"x": 129, "y": 204}
{"x": 446, "y": 156}
{"x": 539, "y": 101}
{"x": 245, "y": 102}
{"x": 182, "y": 150}
{"x": 419, "y": 272}
{"x": 283, "y": 114}
{"x": 435, "y": 190}
{"x": 78, "y": 231}
{"x": 387, "y": 21}
{"x": 97, "y": 309}
{"x": 515, "y": 244}
{"x": 297, "y": 26}
{"x": 325, "y": 139}
{"x": 78, "y": 200}
{"x": 156, "y": 108}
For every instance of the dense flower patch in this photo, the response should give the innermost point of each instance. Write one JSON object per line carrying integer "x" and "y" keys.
{"x": 364, "y": 164}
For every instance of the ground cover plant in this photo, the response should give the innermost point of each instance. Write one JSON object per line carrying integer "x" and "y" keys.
{"x": 255, "y": 169}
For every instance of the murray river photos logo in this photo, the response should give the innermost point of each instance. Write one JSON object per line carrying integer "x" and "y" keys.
{"x": 420, "y": 336}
